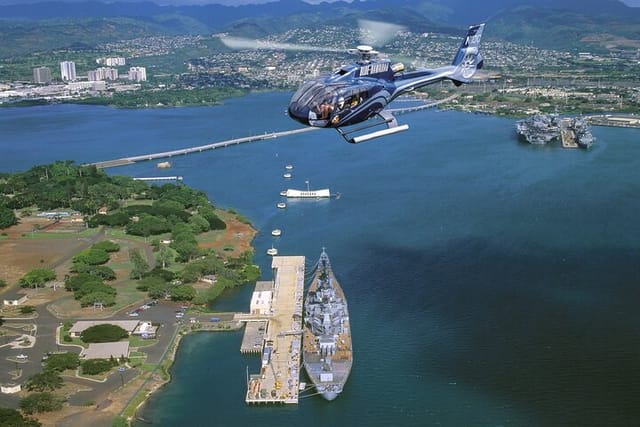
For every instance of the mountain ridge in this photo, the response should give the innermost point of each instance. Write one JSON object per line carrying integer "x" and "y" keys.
{"x": 548, "y": 23}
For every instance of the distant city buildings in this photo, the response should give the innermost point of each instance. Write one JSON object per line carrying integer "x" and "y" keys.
{"x": 102, "y": 73}
{"x": 138, "y": 74}
{"x": 87, "y": 86}
{"x": 41, "y": 75}
{"x": 111, "y": 62}
{"x": 68, "y": 70}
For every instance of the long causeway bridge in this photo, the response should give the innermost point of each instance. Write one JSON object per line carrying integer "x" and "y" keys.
{"x": 182, "y": 151}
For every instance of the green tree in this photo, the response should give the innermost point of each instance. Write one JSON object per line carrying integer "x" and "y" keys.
{"x": 63, "y": 361}
{"x": 198, "y": 224}
{"x": 10, "y": 417}
{"x": 107, "y": 245}
{"x": 91, "y": 256}
{"x": 97, "y": 366}
{"x": 3, "y": 283}
{"x": 37, "y": 277}
{"x": 41, "y": 402}
{"x": 27, "y": 309}
{"x": 165, "y": 255}
{"x": 47, "y": 380}
{"x": 7, "y": 217}
{"x": 140, "y": 265}
{"x": 148, "y": 225}
{"x": 104, "y": 298}
{"x": 103, "y": 333}
{"x": 93, "y": 287}
{"x": 183, "y": 293}
{"x": 100, "y": 271}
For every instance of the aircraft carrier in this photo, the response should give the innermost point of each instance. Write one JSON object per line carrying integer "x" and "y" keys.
{"x": 541, "y": 129}
{"x": 326, "y": 337}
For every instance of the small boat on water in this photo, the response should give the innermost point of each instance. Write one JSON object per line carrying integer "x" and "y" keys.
{"x": 281, "y": 205}
{"x": 283, "y": 193}
{"x": 276, "y": 232}
{"x": 272, "y": 251}
{"x": 289, "y": 167}
{"x": 287, "y": 175}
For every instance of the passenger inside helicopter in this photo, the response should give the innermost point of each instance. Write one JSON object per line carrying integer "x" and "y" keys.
{"x": 319, "y": 103}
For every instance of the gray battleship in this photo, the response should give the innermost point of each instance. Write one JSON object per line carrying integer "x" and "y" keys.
{"x": 541, "y": 129}
{"x": 326, "y": 337}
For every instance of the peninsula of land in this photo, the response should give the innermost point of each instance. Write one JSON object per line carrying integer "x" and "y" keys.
{"x": 148, "y": 263}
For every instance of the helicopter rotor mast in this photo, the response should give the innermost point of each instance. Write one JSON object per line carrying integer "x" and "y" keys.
{"x": 366, "y": 53}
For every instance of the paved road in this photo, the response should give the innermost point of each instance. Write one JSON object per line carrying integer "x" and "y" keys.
{"x": 46, "y": 325}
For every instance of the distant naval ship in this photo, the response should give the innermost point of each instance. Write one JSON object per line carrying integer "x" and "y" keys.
{"x": 326, "y": 338}
{"x": 541, "y": 129}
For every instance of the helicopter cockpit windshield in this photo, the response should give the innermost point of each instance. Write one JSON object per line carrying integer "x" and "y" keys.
{"x": 314, "y": 102}
{"x": 317, "y": 103}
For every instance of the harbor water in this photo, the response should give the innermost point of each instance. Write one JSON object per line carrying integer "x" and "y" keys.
{"x": 489, "y": 282}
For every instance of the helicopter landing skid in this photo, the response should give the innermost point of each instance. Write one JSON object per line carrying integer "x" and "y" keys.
{"x": 386, "y": 119}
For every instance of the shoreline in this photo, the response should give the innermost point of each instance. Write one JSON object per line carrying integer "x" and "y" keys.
{"x": 159, "y": 384}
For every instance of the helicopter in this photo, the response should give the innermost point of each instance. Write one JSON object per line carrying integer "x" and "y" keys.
{"x": 359, "y": 93}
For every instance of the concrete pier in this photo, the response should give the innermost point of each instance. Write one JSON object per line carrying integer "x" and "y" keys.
{"x": 279, "y": 377}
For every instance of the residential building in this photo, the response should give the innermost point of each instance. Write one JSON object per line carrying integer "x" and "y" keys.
{"x": 138, "y": 74}
{"x": 41, "y": 75}
{"x": 103, "y": 73}
{"x": 68, "y": 70}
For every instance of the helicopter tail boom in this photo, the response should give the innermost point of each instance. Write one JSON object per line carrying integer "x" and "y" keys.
{"x": 468, "y": 58}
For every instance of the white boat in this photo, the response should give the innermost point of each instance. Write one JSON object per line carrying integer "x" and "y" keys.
{"x": 287, "y": 175}
{"x": 276, "y": 232}
{"x": 283, "y": 193}
{"x": 308, "y": 193}
{"x": 272, "y": 251}
{"x": 289, "y": 167}
{"x": 281, "y": 205}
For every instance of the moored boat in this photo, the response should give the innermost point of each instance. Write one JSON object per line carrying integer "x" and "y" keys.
{"x": 326, "y": 338}
{"x": 276, "y": 232}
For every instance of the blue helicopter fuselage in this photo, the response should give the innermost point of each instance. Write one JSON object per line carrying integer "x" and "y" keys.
{"x": 351, "y": 95}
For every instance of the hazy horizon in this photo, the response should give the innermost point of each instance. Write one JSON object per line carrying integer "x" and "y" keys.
{"x": 631, "y": 3}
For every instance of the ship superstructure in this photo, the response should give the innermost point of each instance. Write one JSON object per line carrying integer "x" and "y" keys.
{"x": 542, "y": 129}
{"x": 326, "y": 339}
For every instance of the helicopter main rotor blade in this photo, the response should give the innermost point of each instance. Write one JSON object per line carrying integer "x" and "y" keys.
{"x": 377, "y": 33}
{"x": 242, "y": 43}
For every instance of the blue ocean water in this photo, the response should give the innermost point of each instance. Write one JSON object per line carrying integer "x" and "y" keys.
{"x": 489, "y": 282}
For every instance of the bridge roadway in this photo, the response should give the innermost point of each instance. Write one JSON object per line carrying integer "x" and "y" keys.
{"x": 420, "y": 107}
{"x": 182, "y": 151}
{"x": 154, "y": 156}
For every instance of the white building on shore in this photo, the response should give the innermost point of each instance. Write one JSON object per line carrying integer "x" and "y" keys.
{"x": 138, "y": 74}
{"x": 68, "y": 70}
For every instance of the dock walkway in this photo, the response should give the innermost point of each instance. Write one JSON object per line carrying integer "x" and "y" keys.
{"x": 279, "y": 377}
